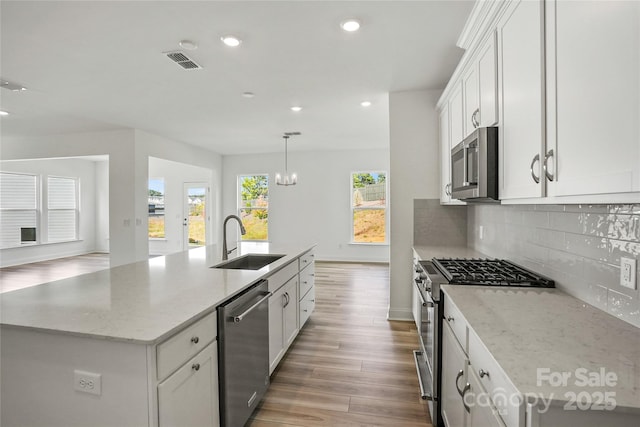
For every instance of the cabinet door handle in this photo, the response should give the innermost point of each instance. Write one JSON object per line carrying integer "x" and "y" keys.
{"x": 195, "y": 366}
{"x": 286, "y": 300}
{"x": 536, "y": 158}
{"x": 450, "y": 319}
{"x": 460, "y": 374}
{"x": 546, "y": 167}
{"x": 474, "y": 121}
{"x": 467, "y": 387}
{"x": 195, "y": 340}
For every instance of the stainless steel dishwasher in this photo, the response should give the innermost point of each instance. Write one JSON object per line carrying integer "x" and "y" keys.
{"x": 243, "y": 349}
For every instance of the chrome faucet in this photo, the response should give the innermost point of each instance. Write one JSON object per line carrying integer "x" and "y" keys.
{"x": 243, "y": 231}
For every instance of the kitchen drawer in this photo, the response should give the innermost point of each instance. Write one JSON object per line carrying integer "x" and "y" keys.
{"x": 458, "y": 323}
{"x": 307, "y": 278}
{"x": 306, "y": 260}
{"x": 307, "y": 304}
{"x": 282, "y": 276}
{"x": 175, "y": 351}
{"x": 495, "y": 382}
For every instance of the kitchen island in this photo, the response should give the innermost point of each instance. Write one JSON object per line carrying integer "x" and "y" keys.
{"x": 97, "y": 348}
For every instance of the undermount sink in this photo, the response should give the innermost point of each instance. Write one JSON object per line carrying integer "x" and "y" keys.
{"x": 249, "y": 262}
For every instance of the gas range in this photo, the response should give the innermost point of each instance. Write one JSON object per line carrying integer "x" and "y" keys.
{"x": 490, "y": 272}
{"x": 428, "y": 276}
{"x": 475, "y": 271}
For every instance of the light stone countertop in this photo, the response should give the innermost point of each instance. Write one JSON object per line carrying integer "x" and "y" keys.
{"x": 141, "y": 302}
{"x": 528, "y": 329}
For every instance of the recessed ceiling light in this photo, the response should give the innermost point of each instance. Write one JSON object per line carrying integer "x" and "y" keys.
{"x": 3, "y": 113}
{"x": 366, "y": 103}
{"x": 231, "y": 41}
{"x": 296, "y": 109}
{"x": 248, "y": 94}
{"x": 350, "y": 25}
{"x": 188, "y": 44}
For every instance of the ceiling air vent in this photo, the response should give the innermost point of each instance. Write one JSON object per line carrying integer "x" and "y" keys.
{"x": 183, "y": 60}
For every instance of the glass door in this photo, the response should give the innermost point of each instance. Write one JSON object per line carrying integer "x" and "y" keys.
{"x": 195, "y": 217}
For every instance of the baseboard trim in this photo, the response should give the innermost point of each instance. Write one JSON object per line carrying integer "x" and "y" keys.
{"x": 400, "y": 314}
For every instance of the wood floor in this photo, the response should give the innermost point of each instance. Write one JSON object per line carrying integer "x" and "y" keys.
{"x": 35, "y": 273}
{"x": 349, "y": 366}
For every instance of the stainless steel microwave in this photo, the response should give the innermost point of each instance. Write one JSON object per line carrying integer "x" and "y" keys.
{"x": 474, "y": 166}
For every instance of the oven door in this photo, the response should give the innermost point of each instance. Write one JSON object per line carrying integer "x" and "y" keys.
{"x": 424, "y": 358}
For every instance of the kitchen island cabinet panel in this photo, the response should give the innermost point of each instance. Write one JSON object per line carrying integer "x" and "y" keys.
{"x": 37, "y": 385}
{"x": 189, "y": 397}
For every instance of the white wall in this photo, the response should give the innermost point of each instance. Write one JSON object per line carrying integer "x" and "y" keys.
{"x": 128, "y": 152}
{"x": 85, "y": 171}
{"x": 317, "y": 209}
{"x": 102, "y": 207}
{"x": 175, "y": 175}
{"x": 415, "y": 174}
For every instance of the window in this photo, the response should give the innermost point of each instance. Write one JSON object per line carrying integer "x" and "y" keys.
{"x": 369, "y": 207}
{"x": 156, "y": 208}
{"x": 18, "y": 209}
{"x": 253, "y": 205}
{"x": 62, "y": 209}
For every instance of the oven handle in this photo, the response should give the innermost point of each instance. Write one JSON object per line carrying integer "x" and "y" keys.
{"x": 423, "y": 395}
{"x": 424, "y": 302}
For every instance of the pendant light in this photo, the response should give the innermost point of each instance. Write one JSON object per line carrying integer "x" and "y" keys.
{"x": 287, "y": 179}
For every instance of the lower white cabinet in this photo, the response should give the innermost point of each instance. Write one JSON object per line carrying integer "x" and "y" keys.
{"x": 481, "y": 412}
{"x": 454, "y": 378}
{"x": 189, "y": 397}
{"x": 283, "y": 321}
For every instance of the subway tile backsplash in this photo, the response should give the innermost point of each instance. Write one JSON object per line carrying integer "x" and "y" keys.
{"x": 579, "y": 246}
{"x": 437, "y": 225}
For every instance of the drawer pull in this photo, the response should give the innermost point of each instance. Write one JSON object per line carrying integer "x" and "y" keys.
{"x": 450, "y": 319}
{"x": 467, "y": 387}
{"x": 483, "y": 373}
{"x": 195, "y": 366}
{"x": 460, "y": 374}
{"x": 195, "y": 340}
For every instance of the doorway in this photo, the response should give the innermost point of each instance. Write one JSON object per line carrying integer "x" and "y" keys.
{"x": 195, "y": 214}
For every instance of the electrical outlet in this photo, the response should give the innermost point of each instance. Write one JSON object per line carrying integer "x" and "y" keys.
{"x": 628, "y": 273}
{"x": 87, "y": 382}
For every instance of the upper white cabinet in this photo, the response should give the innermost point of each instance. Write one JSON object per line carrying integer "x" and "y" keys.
{"x": 480, "y": 88}
{"x": 488, "y": 82}
{"x": 471, "y": 100}
{"x": 521, "y": 91}
{"x": 560, "y": 80}
{"x": 456, "y": 116}
{"x": 593, "y": 97}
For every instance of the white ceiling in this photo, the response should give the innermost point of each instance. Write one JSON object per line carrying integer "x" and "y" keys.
{"x": 92, "y": 66}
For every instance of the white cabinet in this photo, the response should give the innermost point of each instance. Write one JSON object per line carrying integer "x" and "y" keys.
{"x": 454, "y": 377}
{"x": 471, "y": 93}
{"x": 480, "y": 415}
{"x": 189, "y": 397}
{"x": 467, "y": 400}
{"x": 521, "y": 92}
{"x": 488, "y": 83}
{"x": 307, "y": 292}
{"x": 445, "y": 154}
{"x": 456, "y": 116}
{"x": 283, "y": 320}
{"x": 593, "y": 97}
{"x": 480, "y": 88}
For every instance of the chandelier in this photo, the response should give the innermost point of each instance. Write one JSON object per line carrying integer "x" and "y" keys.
{"x": 287, "y": 179}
